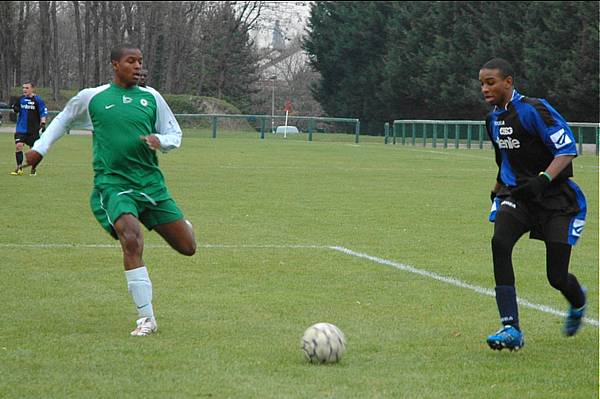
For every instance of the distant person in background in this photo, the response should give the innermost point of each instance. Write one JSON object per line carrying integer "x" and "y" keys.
{"x": 533, "y": 193}
{"x": 32, "y": 113}
{"x": 143, "y": 78}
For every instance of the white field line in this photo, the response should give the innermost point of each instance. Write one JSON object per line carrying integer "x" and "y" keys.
{"x": 453, "y": 281}
{"x": 346, "y": 251}
{"x": 227, "y": 246}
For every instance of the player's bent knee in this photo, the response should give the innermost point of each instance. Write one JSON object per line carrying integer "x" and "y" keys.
{"x": 188, "y": 249}
{"x": 557, "y": 282}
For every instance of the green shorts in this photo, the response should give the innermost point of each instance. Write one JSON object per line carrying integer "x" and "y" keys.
{"x": 108, "y": 204}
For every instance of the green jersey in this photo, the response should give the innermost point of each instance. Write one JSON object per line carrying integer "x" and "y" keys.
{"x": 118, "y": 117}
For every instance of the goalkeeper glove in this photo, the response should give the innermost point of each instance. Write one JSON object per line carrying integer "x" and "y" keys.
{"x": 531, "y": 188}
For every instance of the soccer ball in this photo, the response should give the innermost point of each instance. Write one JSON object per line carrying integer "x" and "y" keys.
{"x": 323, "y": 343}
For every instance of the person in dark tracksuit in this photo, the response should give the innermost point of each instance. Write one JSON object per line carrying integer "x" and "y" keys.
{"x": 32, "y": 113}
{"x": 534, "y": 149}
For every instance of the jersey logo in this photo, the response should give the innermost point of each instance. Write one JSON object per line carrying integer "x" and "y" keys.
{"x": 144, "y": 102}
{"x": 127, "y": 100}
{"x": 508, "y": 143}
{"x": 109, "y": 106}
{"x": 506, "y": 131}
{"x": 578, "y": 226}
{"x": 29, "y": 105}
{"x": 560, "y": 139}
{"x": 498, "y": 123}
{"x": 509, "y": 203}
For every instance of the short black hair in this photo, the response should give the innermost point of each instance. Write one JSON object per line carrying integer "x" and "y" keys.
{"x": 502, "y": 65}
{"x": 29, "y": 82}
{"x": 117, "y": 52}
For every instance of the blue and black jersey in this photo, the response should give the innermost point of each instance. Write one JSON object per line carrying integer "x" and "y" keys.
{"x": 527, "y": 135}
{"x": 30, "y": 110}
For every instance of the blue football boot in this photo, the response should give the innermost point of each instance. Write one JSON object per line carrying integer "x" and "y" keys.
{"x": 574, "y": 318}
{"x": 507, "y": 337}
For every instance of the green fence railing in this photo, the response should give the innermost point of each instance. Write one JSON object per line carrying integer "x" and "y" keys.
{"x": 261, "y": 123}
{"x": 264, "y": 121}
{"x": 434, "y": 133}
{"x": 469, "y": 134}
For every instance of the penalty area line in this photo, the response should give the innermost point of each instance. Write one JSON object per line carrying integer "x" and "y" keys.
{"x": 454, "y": 281}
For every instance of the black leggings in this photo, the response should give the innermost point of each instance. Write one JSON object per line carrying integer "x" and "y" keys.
{"x": 507, "y": 231}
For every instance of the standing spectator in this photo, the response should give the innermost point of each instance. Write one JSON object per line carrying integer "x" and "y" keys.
{"x": 31, "y": 118}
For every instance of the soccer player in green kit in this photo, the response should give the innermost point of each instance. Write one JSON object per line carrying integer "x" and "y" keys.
{"x": 129, "y": 124}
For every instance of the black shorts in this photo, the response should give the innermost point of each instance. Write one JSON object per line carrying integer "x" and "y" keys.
{"x": 26, "y": 138}
{"x": 558, "y": 218}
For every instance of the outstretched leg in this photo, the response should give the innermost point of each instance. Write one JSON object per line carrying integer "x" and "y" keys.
{"x": 179, "y": 235}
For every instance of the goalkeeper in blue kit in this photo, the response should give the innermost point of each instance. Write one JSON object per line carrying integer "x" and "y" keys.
{"x": 129, "y": 124}
{"x": 534, "y": 149}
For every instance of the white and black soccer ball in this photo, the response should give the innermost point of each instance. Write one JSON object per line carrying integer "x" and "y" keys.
{"x": 323, "y": 343}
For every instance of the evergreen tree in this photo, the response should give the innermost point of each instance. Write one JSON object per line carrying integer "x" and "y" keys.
{"x": 576, "y": 87}
{"x": 405, "y": 60}
{"x": 227, "y": 66}
{"x": 346, "y": 46}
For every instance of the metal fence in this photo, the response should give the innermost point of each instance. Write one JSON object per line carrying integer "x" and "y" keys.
{"x": 264, "y": 124}
{"x": 469, "y": 134}
{"x": 434, "y": 133}
{"x": 260, "y": 124}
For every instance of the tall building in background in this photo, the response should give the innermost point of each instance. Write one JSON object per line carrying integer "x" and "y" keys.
{"x": 287, "y": 18}
{"x": 278, "y": 38}
{"x": 278, "y": 32}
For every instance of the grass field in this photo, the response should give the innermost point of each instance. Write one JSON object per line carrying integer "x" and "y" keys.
{"x": 267, "y": 215}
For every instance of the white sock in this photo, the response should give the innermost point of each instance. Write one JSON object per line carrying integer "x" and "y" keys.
{"x": 140, "y": 287}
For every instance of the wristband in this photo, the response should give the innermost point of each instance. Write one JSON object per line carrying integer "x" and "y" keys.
{"x": 547, "y": 175}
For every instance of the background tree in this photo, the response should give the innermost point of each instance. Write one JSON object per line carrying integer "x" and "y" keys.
{"x": 376, "y": 61}
{"x": 56, "y": 60}
{"x": 425, "y": 63}
{"x": 189, "y": 47}
{"x": 346, "y": 45}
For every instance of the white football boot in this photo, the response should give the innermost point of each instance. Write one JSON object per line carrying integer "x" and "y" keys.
{"x": 145, "y": 326}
